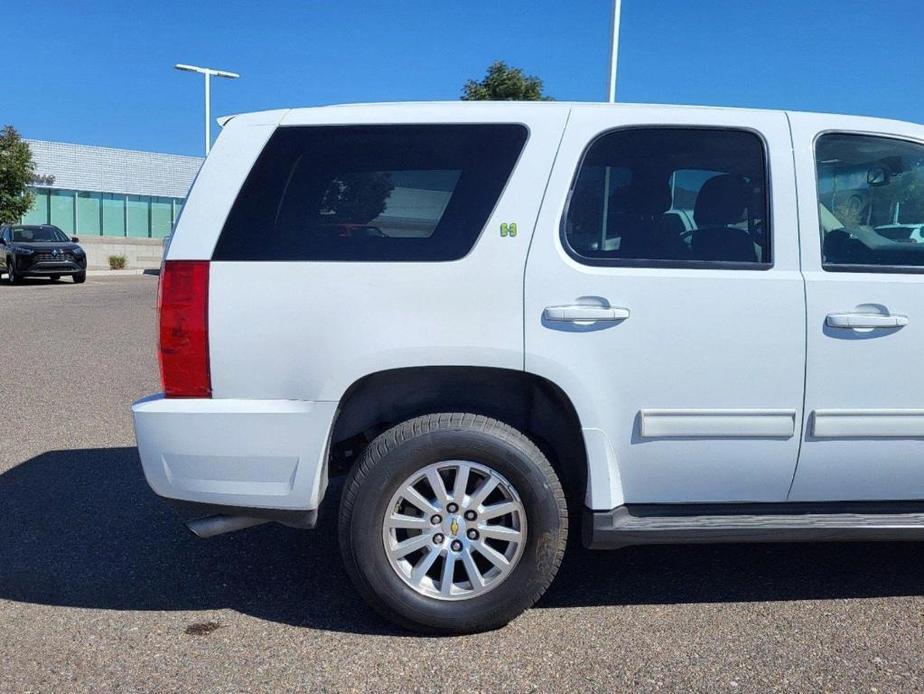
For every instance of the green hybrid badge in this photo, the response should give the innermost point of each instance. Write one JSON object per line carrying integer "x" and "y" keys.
{"x": 509, "y": 229}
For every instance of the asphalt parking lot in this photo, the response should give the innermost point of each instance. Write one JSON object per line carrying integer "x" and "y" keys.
{"x": 101, "y": 588}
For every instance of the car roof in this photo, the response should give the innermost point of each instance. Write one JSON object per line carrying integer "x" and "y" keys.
{"x": 506, "y": 105}
{"x": 506, "y": 109}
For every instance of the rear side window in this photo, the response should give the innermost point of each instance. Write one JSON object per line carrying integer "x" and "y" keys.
{"x": 371, "y": 193}
{"x": 671, "y": 197}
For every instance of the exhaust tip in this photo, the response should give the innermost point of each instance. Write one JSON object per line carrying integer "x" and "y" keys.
{"x": 210, "y": 526}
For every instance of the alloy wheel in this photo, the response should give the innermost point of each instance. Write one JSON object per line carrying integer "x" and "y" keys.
{"x": 454, "y": 530}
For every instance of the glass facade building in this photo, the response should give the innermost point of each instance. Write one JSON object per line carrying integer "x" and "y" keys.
{"x": 90, "y": 213}
{"x": 100, "y": 191}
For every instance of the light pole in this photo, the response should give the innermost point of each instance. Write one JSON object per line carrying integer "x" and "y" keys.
{"x": 614, "y": 59}
{"x": 209, "y": 73}
{"x": 614, "y": 50}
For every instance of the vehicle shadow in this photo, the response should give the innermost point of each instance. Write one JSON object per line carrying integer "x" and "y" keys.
{"x": 80, "y": 528}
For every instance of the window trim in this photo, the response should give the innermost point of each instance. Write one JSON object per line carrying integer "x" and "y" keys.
{"x": 675, "y": 264}
{"x": 847, "y": 267}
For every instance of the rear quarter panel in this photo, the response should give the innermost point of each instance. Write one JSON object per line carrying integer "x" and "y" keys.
{"x": 308, "y": 330}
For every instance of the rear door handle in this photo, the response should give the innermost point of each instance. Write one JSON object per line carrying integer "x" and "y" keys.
{"x": 849, "y": 321}
{"x": 575, "y": 314}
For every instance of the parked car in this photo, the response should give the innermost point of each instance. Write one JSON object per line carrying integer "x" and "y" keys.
{"x": 637, "y": 323}
{"x": 40, "y": 250}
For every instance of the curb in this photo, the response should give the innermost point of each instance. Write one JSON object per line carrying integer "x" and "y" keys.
{"x": 123, "y": 273}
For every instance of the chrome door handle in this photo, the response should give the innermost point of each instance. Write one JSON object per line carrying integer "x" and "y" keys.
{"x": 849, "y": 321}
{"x": 575, "y": 314}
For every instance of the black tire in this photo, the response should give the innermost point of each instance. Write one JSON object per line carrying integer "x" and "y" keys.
{"x": 409, "y": 447}
{"x": 80, "y": 277}
{"x": 54, "y": 278}
{"x": 11, "y": 275}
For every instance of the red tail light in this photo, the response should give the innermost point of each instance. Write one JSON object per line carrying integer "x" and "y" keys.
{"x": 183, "y": 303}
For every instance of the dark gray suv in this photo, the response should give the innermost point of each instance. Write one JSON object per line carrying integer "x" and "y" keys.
{"x": 40, "y": 251}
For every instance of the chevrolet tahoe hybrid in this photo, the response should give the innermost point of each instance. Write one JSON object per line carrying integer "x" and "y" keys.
{"x": 503, "y": 323}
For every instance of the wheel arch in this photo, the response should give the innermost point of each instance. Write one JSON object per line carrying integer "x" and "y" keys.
{"x": 528, "y": 402}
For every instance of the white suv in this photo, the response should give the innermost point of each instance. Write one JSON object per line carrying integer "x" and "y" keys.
{"x": 681, "y": 321}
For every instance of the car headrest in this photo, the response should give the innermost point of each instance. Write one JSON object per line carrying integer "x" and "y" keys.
{"x": 643, "y": 197}
{"x": 722, "y": 201}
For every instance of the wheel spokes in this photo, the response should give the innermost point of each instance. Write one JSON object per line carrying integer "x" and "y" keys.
{"x": 493, "y": 556}
{"x": 488, "y": 486}
{"x": 449, "y": 569}
{"x": 424, "y": 563}
{"x": 412, "y": 544}
{"x": 438, "y": 487}
{"x": 471, "y": 568}
{"x": 460, "y": 483}
{"x": 495, "y": 510}
{"x": 412, "y": 496}
{"x": 500, "y": 532}
{"x": 398, "y": 521}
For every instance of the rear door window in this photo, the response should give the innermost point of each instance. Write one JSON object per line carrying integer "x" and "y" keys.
{"x": 671, "y": 197}
{"x": 371, "y": 193}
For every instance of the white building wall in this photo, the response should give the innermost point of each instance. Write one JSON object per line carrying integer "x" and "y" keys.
{"x": 110, "y": 170}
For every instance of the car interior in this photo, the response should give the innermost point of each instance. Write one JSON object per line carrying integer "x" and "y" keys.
{"x": 871, "y": 201}
{"x": 686, "y": 201}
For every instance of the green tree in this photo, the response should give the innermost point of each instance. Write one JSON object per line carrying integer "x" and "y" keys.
{"x": 16, "y": 170}
{"x": 357, "y": 198}
{"x": 504, "y": 83}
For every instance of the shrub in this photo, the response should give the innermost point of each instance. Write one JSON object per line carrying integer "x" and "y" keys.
{"x": 117, "y": 262}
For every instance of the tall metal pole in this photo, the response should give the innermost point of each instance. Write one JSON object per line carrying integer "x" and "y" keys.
{"x": 208, "y": 114}
{"x": 208, "y": 73}
{"x": 614, "y": 50}
{"x": 614, "y": 60}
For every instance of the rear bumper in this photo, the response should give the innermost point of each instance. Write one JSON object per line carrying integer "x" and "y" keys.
{"x": 247, "y": 454}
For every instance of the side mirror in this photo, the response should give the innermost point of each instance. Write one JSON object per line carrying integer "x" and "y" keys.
{"x": 878, "y": 176}
{"x": 74, "y": 239}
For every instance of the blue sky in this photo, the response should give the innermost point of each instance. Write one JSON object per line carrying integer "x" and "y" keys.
{"x": 101, "y": 72}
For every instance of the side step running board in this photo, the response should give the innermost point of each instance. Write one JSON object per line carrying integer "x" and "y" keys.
{"x": 656, "y": 524}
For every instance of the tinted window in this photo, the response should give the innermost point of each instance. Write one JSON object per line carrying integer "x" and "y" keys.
{"x": 29, "y": 234}
{"x": 371, "y": 193}
{"x": 671, "y": 197}
{"x": 871, "y": 202}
